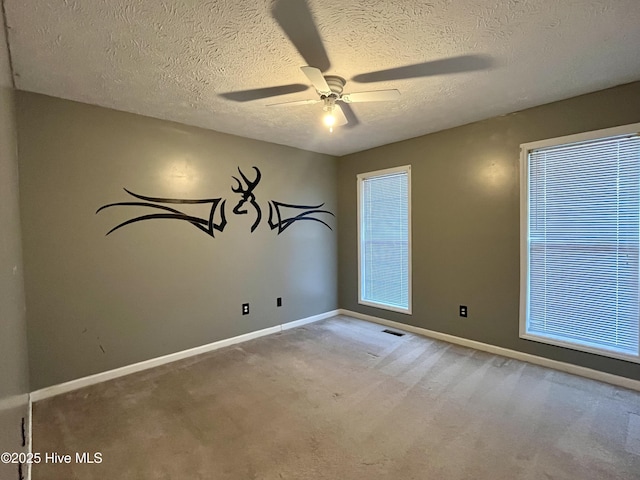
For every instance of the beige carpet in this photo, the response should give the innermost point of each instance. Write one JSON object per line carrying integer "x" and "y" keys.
{"x": 340, "y": 399}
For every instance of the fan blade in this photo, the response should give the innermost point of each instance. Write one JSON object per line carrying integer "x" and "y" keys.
{"x": 463, "y": 63}
{"x": 317, "y": 79}
{"x": 373, "y": 96}
{"x": 295, "y": 102}
{"x": 295, "y": 19}
{"x": 258, "y": 93}
{"x": 339, "y": 115}
{"x": 351, "y": 116}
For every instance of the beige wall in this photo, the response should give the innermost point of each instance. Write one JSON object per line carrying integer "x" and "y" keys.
{"x": 14, "y": 382}
{"x": 465, "y": 208}
{"x": 99, "y": 302}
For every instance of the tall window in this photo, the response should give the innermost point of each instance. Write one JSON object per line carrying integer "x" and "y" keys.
{"x": 580, "y": 238}
{"x": 384, "y": 232}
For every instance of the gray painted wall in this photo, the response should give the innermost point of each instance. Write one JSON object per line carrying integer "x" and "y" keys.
{"x": 465, "y": 208}
{"x": 14, "y": 381}
{"x": 99, "y": 302}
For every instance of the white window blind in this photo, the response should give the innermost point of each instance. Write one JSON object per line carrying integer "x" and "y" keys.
{"x": 583, "y": 237}
{"x": 385, "y": 239}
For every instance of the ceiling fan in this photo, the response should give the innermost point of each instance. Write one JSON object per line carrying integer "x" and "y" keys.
{"x": 296, "y": 20}
{"x": 330, "y": 88}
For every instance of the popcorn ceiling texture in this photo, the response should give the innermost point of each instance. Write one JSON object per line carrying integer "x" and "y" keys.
{"x": 171, "y": 59}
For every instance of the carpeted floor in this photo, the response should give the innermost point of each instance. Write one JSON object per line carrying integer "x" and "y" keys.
{"x": 340, "y": 399}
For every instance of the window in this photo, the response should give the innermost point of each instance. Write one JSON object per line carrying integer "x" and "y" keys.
{"x": 384, "y": 233}
{"x": 580, "y": 236}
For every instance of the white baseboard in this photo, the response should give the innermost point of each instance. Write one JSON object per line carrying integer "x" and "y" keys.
{"x": 505, "y": 352}
{"x": 305, "y": 321}
{"x": 173, "y": 357}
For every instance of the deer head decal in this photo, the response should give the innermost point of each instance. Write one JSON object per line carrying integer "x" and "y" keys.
{"x": 247, "y": 196}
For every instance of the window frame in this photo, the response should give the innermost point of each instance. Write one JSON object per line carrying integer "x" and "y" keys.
{"x": 361, "y": 177}
{"x": 525, "y": 148}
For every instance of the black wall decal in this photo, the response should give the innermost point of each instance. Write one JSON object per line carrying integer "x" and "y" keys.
{"x": 248, "y": 196}
{"x": 278, "y": 218}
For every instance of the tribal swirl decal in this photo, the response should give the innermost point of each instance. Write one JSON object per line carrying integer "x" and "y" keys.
{"x": 217, "y": 220}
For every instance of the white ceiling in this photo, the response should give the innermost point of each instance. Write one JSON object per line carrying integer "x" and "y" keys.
{"x": 172, "y": 59}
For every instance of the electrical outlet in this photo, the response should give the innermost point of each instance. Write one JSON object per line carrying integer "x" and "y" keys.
{"x": 245, "y": 309}
{"x": 279, "y": 302}
{"x": 463, "y": 310}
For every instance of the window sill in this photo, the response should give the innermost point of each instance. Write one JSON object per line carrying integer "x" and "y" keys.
{"x": 580, "y": 347}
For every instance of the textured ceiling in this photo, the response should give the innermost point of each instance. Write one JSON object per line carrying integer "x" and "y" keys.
{"x": 172, "y": 59}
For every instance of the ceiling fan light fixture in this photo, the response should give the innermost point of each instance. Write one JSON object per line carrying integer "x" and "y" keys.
{"x": 329, "y": 119}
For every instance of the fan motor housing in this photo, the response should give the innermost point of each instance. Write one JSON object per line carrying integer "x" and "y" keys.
{"x": 336, "y": 84}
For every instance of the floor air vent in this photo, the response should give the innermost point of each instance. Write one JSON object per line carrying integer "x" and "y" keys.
{"x": 391, "y": 332}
